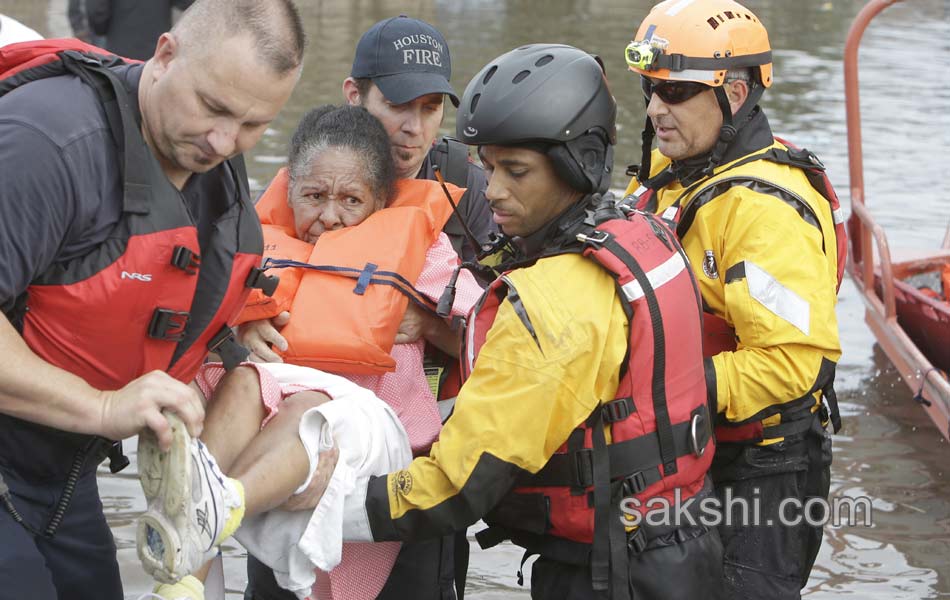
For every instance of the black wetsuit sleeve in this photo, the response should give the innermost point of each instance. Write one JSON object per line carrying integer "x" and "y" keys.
{"x": 37, "y": 206}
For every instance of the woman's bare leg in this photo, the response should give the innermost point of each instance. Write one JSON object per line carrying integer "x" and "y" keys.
{"x": 273, "y": 462}
{"x": 233, "y": 416}
{"x": 276, "y": 463}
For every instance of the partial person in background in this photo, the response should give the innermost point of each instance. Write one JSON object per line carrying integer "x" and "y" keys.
{"x": 131, "y": 27}
{"x": 79, "y": 23}
{"x": 400, "y": 74}
{"x": 12, "y": 31}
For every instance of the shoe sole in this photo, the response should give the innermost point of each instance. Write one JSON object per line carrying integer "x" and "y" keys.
{"x": 166, "y": 481}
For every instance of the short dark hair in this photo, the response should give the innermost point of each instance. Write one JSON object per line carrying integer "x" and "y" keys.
{"x": 275, "y": 26}
{"x": 349, "y": 127}
{"x": 362, "y": 86}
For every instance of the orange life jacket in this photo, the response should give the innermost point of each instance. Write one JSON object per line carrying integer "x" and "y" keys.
{"x": 348, "y": 292}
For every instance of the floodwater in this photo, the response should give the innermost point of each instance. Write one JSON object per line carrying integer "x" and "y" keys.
{"x": 888, "y": 450}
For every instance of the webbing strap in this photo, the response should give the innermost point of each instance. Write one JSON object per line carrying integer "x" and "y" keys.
{"x": 664, "y": 428}
{"x": 639, "y": 454}
{"x": 377, "y": 277}
{"x": 609, "y": 560}
{"x": 681, "y": 62}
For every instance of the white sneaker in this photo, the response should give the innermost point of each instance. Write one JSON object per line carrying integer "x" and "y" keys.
{"x": 190, "y": 504}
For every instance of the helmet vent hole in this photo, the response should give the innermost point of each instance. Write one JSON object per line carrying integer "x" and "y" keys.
{"x": 730, "y": 15}
{"x": 489, "y": 74}
{"x": 475, "y": 99}
{"x": 713, "y": 22}
{"x": 521, "y": 76}
{"x": 544, "y": 60}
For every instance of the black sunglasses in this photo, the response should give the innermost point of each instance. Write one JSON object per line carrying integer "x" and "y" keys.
{"x": 671, "y": 92}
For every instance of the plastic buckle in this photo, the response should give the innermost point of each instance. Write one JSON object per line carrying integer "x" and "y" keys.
{"x": 117, "y": 458}
{"x": 168, "y": 325}
{"x": 186, "y": 260}
{"x": 220, "y": 339}
{"x": 677, "y": 62}
{"x": 616, "y": 410}
{"x": 634, "y": 484}
{"x": 582, "y": 462}
{"x": 227, "y": 348}
{"x": 637, "y": 540}
{"x": 698, "y": 441}
{"x": 259, "y": 281}
{"x": 823, "y": 413}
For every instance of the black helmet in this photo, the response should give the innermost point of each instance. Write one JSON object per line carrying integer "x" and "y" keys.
{"x": 551, "y": 94}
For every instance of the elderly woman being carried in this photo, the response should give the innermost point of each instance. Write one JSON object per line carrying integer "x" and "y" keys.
{"x": 362, "y": 264}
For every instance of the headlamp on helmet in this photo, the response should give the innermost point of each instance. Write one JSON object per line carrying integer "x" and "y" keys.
{"x": 643, "y": 55}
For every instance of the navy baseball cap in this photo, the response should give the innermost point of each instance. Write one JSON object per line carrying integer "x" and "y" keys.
{"x": 406, "y": 58}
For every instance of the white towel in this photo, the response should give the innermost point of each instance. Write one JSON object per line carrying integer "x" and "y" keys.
{"x": 371, "y": 440}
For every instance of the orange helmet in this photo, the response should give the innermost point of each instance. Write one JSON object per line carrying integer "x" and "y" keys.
{"x": 699, "y": 40}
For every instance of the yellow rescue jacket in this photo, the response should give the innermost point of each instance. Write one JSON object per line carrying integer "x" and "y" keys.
{"x": 347, "y": 305}
{"x": 762, "y": 243}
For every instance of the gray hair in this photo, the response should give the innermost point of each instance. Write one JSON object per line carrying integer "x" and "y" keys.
{"x": 275, "y": 26}
{"x": 349, "y": 127}
{"x": 740, "y": 74}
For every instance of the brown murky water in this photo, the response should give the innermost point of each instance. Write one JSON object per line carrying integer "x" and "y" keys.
{"x": 888, "y": 450}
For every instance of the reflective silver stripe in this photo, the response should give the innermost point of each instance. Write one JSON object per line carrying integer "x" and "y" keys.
{"x": 470, "y": 338}
{"x": 771, "y": 294}
{"x": 693, "y": 75}
{"x": 837, "y": 216}
{"x": 657, "y": 276}
{"x": 676, "y": 8}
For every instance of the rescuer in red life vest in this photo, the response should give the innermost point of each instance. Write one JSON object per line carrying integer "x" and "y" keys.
{"x": 129, "y": 243}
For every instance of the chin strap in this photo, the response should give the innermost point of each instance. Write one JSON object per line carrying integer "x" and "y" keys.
{"x": 646, "y": 139}
{"x": 731, "y": 124}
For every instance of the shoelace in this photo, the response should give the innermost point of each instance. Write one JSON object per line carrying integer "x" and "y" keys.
{"x": 212, "y": 466}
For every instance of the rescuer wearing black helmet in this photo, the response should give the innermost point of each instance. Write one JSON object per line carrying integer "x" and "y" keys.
{"x": 565, "y": 351}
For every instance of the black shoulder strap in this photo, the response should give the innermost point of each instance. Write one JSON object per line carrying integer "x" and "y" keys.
{"x": 452, "y": 157}
{"x": 800, "y": 158}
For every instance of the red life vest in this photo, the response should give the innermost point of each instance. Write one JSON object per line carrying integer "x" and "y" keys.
{"x": 148, "y": 297}
{"x": 660, "y": 428}
{"x": 348, "y": 292}
{"x": 718, "y": 335}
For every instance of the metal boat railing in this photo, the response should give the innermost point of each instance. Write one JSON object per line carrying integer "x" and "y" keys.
{"x": 867, "y": 236}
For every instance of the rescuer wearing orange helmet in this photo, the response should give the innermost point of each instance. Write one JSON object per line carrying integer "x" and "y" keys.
{"x": 757, "y": 219}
